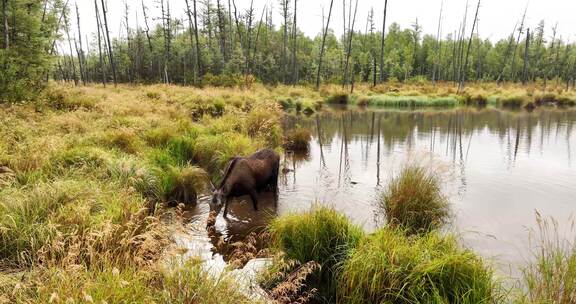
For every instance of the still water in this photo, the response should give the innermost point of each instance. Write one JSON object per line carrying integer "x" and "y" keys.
{"x": 498, "y": 168}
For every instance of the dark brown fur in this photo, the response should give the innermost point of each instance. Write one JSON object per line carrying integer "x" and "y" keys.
{"x": 248, "y": 176}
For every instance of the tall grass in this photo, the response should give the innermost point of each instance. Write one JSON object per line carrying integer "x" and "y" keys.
{"x": 298, "y": 140}
{"x": 414, "y": 200}
{"x": 175, "y": 282}
{"x": 550, "y": 276}
{"x": 411, "y": 101}
{"x": 388, "y": 267}
{"x": 321, "y": 235}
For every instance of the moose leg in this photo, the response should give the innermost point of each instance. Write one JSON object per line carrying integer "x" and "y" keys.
{"x": 226, "y": 208}
{"x": 254, "y": 197}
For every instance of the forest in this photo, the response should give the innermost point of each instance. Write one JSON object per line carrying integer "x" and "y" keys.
{"x": 220, "y": 45}
{"x": 370, "y": 163}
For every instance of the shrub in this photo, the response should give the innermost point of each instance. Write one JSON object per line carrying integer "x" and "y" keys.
{"x": 322, "y": 236}
{"x": 341, "y": 99}
{"x": 298, "y": 140}
{"x": 414, "y": 201}
{"x": 389, "y": 267}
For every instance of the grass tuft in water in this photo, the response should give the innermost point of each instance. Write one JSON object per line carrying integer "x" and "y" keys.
{"x": 388, "y": 267}
{"x": 298, "y": 140}
{"x": 414, "y": 200}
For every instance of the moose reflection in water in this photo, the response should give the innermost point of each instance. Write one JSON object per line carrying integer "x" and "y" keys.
{"x": 500, "y": 167}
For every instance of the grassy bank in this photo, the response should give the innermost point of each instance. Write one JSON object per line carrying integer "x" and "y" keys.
{"x": 81, "y": 172}
{"x": 445, "y": 95}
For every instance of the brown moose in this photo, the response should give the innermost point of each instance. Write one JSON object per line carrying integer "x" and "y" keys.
{"x": 246, "y": 176}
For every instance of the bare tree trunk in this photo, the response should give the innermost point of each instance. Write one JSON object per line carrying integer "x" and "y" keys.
{"x": 295, "y": 47}
{"x": 110, "y": 54}
{"x": 461, "y": 46}
{"x": 322, "y": 48}
{"x": 382, "y": 42}
{"x": 513, "y": 71}
{"x": 198, "y": 54}
{"x": 192, "y": 30}
{"x": 258, "y": 36}
{"x": 6, "y": 30}
{"x": 465, "y": 72}
{"x": 436, "y": 61}
{"x": 101, "y": 58}
{"x": 284, "y": 4}
{"x": 526, "y": 57}
{"x": 221, "y": 30}
{"x": 349, "y": 51}
{"x": 67, "y": 28}
{"x": 80, "y": 51}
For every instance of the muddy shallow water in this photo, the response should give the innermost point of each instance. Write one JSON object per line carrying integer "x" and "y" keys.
{"x": 498, "y": 167}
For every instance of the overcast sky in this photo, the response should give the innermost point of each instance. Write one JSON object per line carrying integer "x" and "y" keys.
{"x": 496, "y": 17}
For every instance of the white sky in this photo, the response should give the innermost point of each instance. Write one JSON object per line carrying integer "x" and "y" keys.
{"x": 496, "y": 17}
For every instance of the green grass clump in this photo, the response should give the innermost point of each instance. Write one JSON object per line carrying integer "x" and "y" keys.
{"x": 388, "y": 267}
{"x": 68, "y": 100}
{"x": 412, "y": 101}
{"x": 298, "y": 140}
{"x": 321, "y": 235}
{"x": 122, "y": 139}
{"x": 414, "y": 200}
{"x": 181, "y": 184}
{"x": 550, "y": 277}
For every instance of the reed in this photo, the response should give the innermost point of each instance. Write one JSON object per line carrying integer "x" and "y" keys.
{"x": 550, "y": 275}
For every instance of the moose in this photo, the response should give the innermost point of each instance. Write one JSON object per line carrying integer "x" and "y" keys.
{"x": 246, "y": 176}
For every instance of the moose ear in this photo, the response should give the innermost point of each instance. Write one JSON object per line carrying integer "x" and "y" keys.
{"x": 212, "y": 187}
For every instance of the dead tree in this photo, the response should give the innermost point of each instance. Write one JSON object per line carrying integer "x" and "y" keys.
{"x": 110, "y": 54}
{"x": 6, "y": 30}
{"x": 100, "y": 57}
{"x": 67, "y": 29}
{"x": 520, "y": 32}
{"x": 526, "y": 58}
{"x": 295, "y": 47}
{"x": 465, "y": 72}
{"x": 382, "y": 42}
{"x": 81, "y": 59}
{"x": 221, "y": 30}
{"x": 349, "y": 48}
{"x": 191, "y": 31}
{"x": 461, "y": 46}
{"x": 438, "y": 46}
{"x": 286, "y": 16}
{"x": 322, "y": 48}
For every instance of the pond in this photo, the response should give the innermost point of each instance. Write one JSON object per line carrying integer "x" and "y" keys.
{"x": 498, "y": 168}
